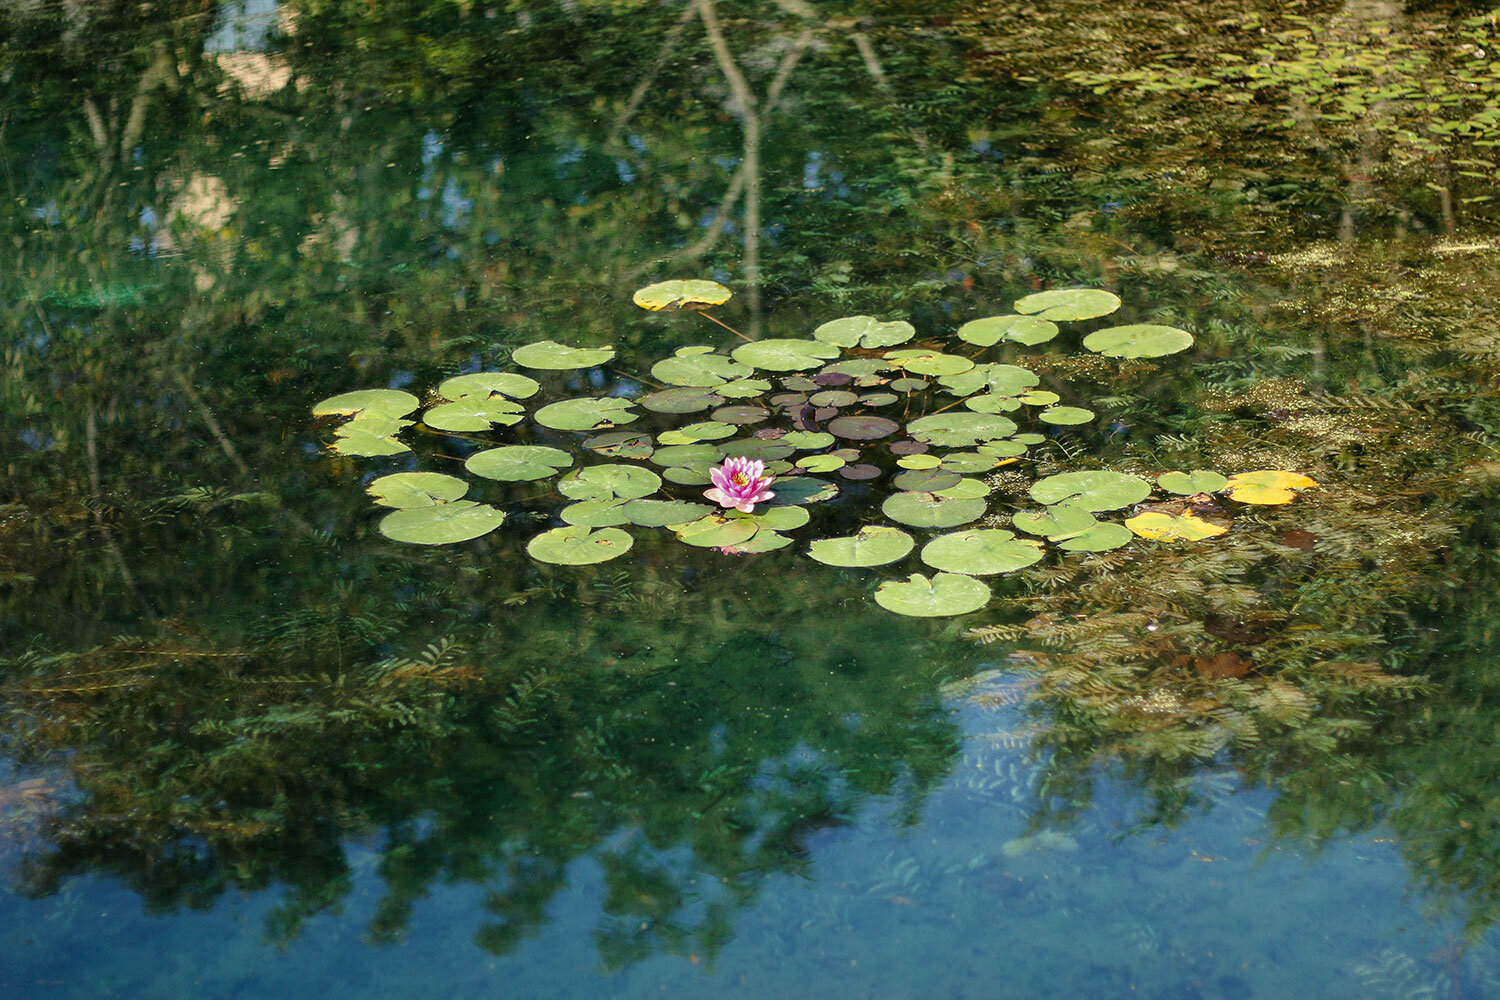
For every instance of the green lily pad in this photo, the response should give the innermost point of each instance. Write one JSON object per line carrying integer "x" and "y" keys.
{"x": 919, "y": 462}
{"x": 981, "y": 552}
{"x": 1188, "y": 483}
{"x": 416, "y": 489}
{"x": 767, "y": 450}
{"x": 930, "y": 480}
{"x": 741, "y": 414}
{"x": 1065, "y": 415}
{"x": 373, "y": 423}
{"x": 1030, "y": 437}
{"x": 686, "y": 399}
{"x": 929, "y": 510}
{"x": 704, "y": 430}
{"x": 489, "y": 384}
{"x": 855, "y": 368}
{"x": 577, "y": 545}
{"x": 785, "y": 355}
{"x": 587, "y": 413}
{"x": 392, "y": 403}
{"x": 992, "y": 404}
{"x": 595, "y": 513}
{"x": 687, "y": 475}
{"x": 552, "y": 356}
{"x": 1062, "y": 520}
{"x": 833, "y": 397}
{"x": 620, "y": 444}
{"x": 864, "y": 331}
{"x": 972, "y": 461}
{"x": 699, "y": 370}
{"x": 1141, "y": 340}
{"x": 945, "y": 595}
{"x": 1101, "y": 537}
{"x": 474, "y": 413}
{"x": 862, "y": 428}
{"x": 878, "y": 399}
{"x": 715, "y": 531}
{"x": 763, "y": 540}
{"x": 609, "y": 482}
{"x": 743, "y": 388}
{"x": 364, "y": 442}
{"x": 1097, "y": 490}
{"x": 775, "y": 518}
{"x": 821, "y": 463}
{"x": 905, "y": 384}
{"x": 1019, "y": 329}
{"x": 686, "y": 454}
{"x": 802, "y": 489}
{"x": 681, "y": 294}
{"x": 442, "y": 524}
{"x": 1038, "y": 397}
{"x": 1068, "y": 304}
{"x": 872, "y": 545}
{"x": 960, "y": 430}
{"x": 998, "y": 379}
{"x": 807, "y": 440}
{"x": 964, "y": 489}
{"x": 929, "y": 362}
{"x": 1013, "y": 448}
{"x": 661, "y": 513}
{"x": 518, "y": 462}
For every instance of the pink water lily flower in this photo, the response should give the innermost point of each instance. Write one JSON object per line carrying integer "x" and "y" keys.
{"x": 740, "y": 483}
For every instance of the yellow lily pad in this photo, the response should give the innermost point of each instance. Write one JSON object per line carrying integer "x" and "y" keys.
{"x": 1267, "y": 486}
{"x": 681, "y": 295}
{"x": 1163, "y": 527}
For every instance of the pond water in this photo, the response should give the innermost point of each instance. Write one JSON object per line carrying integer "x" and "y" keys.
{"x": 252, "y": 744}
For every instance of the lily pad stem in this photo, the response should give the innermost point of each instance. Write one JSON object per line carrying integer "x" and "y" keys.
{"x": 633, "y": 378}
{"x": 726, "y": 326}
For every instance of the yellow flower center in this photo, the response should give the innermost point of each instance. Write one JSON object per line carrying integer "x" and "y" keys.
{"x": 739, "y": 479}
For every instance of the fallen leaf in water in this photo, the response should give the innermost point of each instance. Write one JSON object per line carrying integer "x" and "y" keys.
{"x": 1222, "y": 665}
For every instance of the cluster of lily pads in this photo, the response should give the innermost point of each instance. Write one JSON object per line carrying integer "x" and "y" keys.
{"x": 848, "y": 405}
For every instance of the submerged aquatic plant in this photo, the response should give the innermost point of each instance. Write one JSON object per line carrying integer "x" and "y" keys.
{"x": 740, "y": 483}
